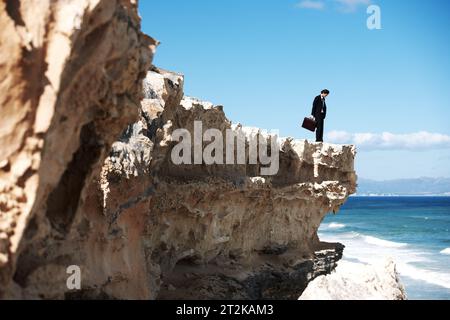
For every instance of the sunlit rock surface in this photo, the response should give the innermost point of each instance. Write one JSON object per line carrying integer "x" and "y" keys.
{"x": 87, "y": 179}
{"x": 356, "y": 281}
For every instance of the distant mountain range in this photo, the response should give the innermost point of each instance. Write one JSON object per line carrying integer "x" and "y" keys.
{"x": 408, "y": 187}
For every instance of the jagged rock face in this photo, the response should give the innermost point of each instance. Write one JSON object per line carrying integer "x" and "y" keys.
{"x": 71, "y": 81}
{"x": 219, "y": 231}
{"x": 138, "y": 225}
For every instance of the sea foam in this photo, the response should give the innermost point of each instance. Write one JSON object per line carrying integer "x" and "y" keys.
{"x": 370, "y": 250}
{"x": 383, "y": 243}
{"x": 335, "y": 225}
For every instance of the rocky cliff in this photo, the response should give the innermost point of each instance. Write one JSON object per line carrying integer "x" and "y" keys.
{"x": 87, "y": 175}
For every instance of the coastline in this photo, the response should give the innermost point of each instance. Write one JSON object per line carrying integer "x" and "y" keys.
{"x": 413, "y": 230}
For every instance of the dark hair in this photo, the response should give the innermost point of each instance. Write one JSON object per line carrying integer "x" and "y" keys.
{"x": 325, "y": 91}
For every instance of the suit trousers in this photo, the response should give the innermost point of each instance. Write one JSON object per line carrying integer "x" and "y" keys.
{"x": 319, "y": 130}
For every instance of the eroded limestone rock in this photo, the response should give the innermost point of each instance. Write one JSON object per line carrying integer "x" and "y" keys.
{"x": 86, "y": 176}
{"x": 70, "y": 83}
{"x": 224, "y": 227}
{"x": 357, "y": 281}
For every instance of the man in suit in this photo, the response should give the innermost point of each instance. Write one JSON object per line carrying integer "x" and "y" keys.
{"x": 319, "y": 112}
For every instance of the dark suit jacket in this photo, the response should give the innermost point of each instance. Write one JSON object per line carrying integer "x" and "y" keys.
{"x": 317, "y": 108}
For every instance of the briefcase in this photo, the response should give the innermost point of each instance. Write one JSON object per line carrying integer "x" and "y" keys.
{"x": 309, "y": 124}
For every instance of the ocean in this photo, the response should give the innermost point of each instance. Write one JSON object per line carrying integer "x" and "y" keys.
{"x": 414, "y": 231}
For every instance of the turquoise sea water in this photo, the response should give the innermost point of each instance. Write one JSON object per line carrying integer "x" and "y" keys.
{"x": 414, "y": 231}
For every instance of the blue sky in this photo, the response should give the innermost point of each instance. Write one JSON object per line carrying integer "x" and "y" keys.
{"x": 266, "y": 60}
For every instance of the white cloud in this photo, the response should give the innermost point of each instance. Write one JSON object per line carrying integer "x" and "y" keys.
{"x": 342, "y": 5}
{"x": 352, "y": 5}
{"x": 310, "y": 4}
{"x": 418, "y": 141}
